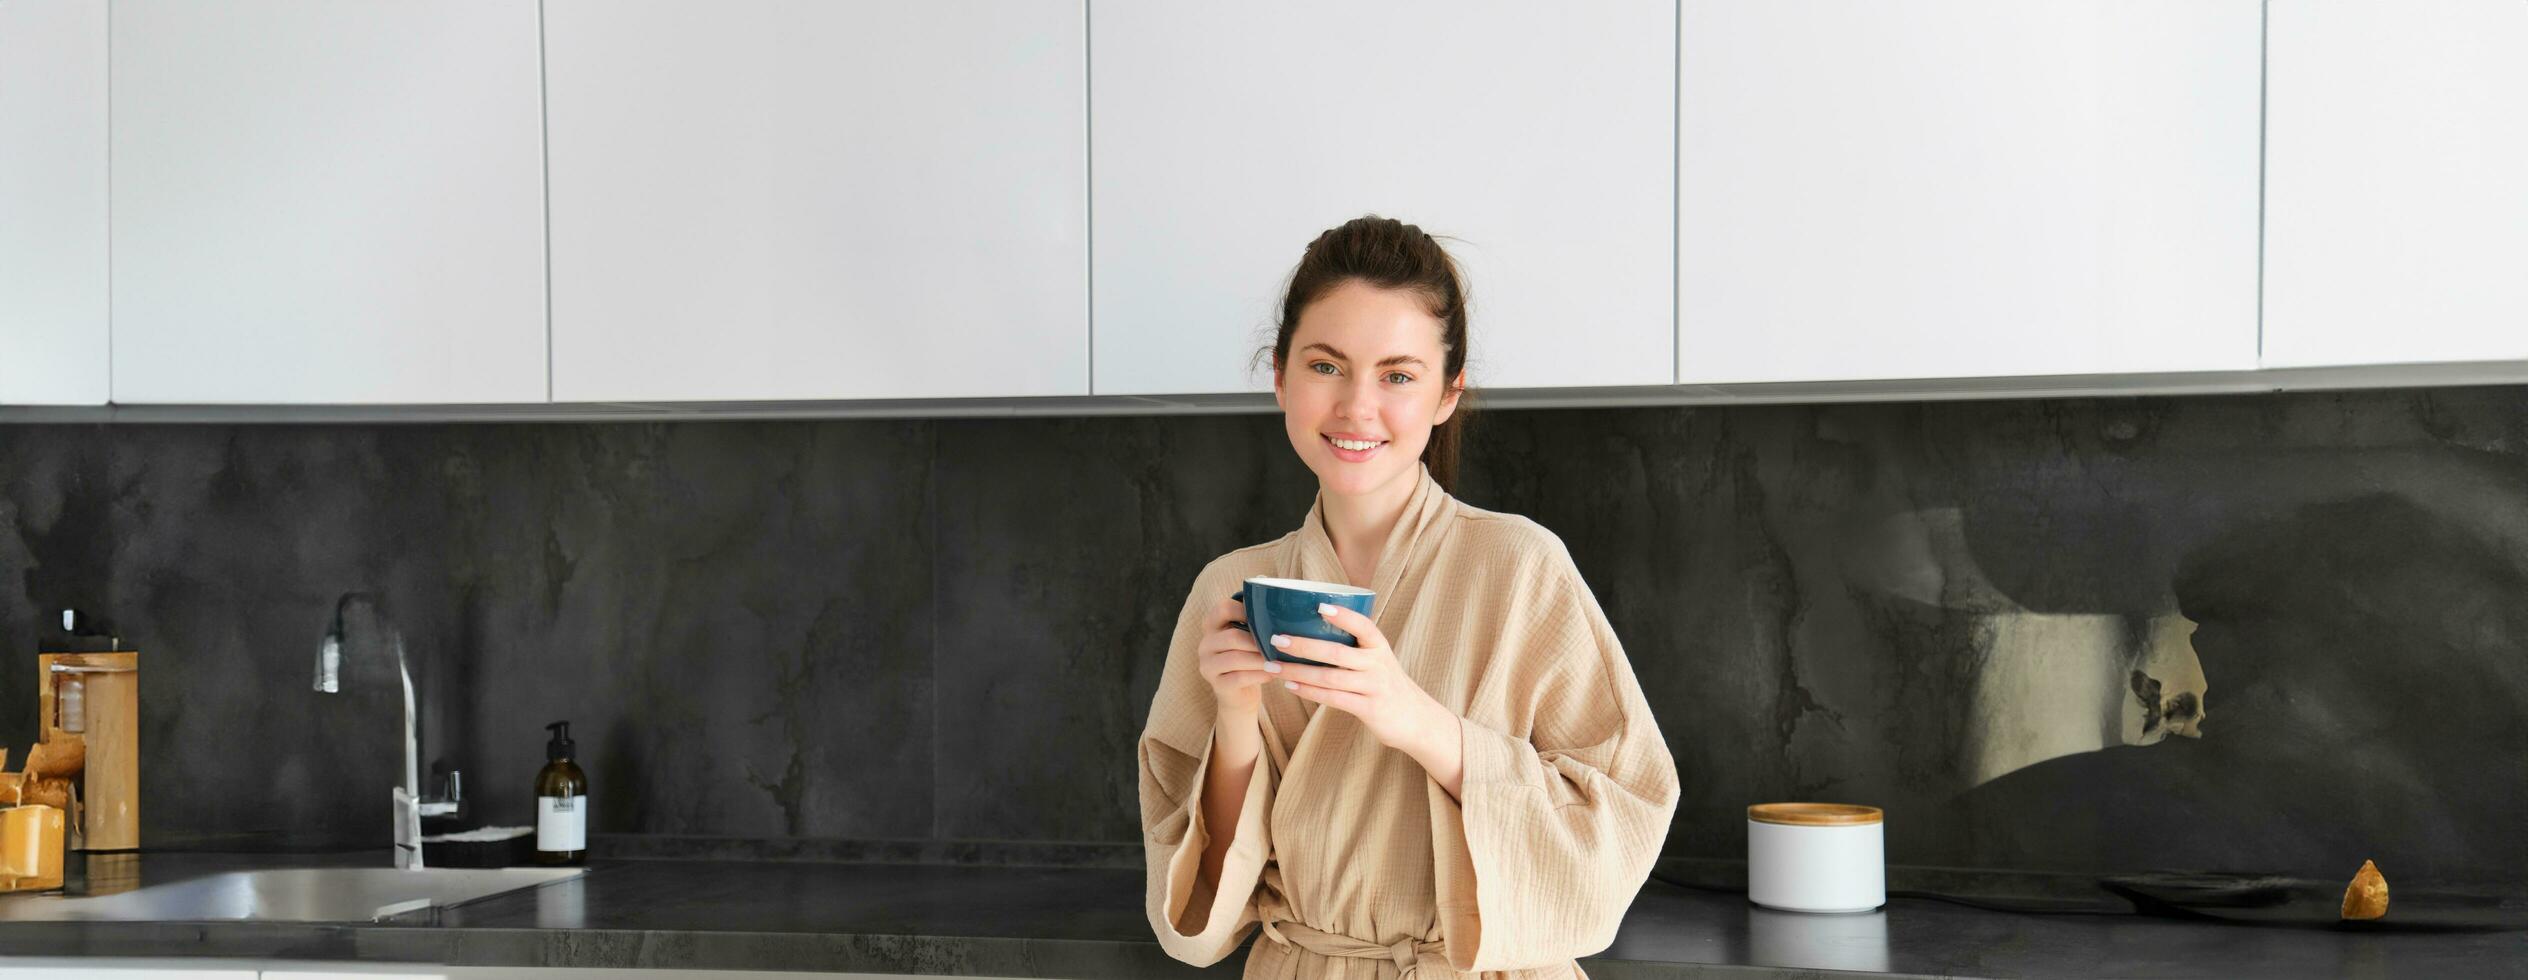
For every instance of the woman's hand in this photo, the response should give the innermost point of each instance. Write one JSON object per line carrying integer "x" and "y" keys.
{"x": 1232, "y": 662}
{"x": 1365, "y": 682}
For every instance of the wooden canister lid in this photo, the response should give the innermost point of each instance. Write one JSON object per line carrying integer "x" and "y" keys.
{"x": 1815, "y": 814}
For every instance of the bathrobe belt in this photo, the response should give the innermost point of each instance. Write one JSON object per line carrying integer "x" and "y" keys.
{"x": 1409, "y": 955}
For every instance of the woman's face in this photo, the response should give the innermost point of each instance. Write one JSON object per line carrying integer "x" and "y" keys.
{"x": 1364, "y": 368}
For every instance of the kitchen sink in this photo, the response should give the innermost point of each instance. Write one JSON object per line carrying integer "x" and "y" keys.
{"x": 291, "y": 894}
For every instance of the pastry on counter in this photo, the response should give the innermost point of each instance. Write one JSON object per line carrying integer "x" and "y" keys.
{"x": 2367, "y": 896}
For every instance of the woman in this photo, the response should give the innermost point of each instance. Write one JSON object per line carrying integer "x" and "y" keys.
{"x": 1488, "y": 791}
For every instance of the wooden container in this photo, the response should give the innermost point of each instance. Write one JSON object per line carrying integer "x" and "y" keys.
{"x": 94, "y": 698}
{"x": 30, "y": 848}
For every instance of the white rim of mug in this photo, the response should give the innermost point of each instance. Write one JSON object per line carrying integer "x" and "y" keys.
{"x": 1304, "y": 585}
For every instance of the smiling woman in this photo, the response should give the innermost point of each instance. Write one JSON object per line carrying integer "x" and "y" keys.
{"x": 1491, "y": 790}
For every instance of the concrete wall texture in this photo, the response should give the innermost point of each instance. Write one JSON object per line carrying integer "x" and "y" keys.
{"x": 2271, "y": 632}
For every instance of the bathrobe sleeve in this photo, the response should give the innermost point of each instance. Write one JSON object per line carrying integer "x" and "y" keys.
{"x": 1559, "y": 824}
{"x": 1175, "y": 760}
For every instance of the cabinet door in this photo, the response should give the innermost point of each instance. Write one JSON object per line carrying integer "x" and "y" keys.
{"x": 780, "y": 199}
{"x": 327, "y": 202}
{"x": 1534, "y": 139}
{"x": 52, "y": 203}
{"x": 1964, "y": 188}
{"x": 101, "y": 968}
{"x": 2396, "y": 210}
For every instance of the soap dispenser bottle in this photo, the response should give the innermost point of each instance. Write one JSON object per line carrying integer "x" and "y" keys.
{"x": 561, "y": 803}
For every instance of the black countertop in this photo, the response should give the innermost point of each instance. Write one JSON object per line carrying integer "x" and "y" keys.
{"x": 1087, "y": 923}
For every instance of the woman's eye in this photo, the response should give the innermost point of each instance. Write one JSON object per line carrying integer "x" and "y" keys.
{"x": 1314, "y": 365}
{"x": 1400, "y": 377}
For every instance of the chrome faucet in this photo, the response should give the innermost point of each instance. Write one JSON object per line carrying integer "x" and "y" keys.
{"x": 410, "y": 806}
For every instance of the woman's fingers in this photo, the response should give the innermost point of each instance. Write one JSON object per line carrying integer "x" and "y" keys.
{"x": 1232, "y": 657}
{"x": 1247, "y": 678}
{"x": 1237, "y": 663}
{"x": 1230, "y": 639}
{"x": 1228, "y": 613}
{"x": 1321, "y": 651}
{"x": 1330, "y": 678}
{"x": 1362, "y": 628}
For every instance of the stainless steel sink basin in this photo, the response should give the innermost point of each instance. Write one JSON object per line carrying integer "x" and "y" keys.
{"x": 293, "y": 894}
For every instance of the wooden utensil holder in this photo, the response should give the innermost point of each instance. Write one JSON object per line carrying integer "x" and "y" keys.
{"x": 93, "y": 700}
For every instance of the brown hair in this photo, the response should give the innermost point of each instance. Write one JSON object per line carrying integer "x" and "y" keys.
{"x": 1389, "y": 254}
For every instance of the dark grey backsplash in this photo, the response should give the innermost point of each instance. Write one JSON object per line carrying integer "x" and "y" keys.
{"x": 1986, "y": 617}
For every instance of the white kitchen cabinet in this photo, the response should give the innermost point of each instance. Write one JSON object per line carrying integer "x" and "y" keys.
{"x": 2396, "y": 210}
{"x": 81, "y": 968}
{"x": 781, "y": 199}
{"x": 52, "y": 203}
{"x": 1535, "y": 140}
{"x": 1965, "y": 188}
{"x": 327, "y": 202}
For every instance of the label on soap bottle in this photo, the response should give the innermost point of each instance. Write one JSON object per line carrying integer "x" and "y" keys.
{"x": 561, "y": 823}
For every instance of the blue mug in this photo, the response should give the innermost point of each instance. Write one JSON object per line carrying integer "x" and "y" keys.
{"x": 1289, "y": 606}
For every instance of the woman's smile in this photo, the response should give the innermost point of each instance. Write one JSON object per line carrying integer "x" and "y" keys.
{"x": 1353, "y": 449}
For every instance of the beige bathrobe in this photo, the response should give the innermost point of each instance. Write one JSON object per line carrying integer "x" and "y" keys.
{"x": 1353, "y": 860}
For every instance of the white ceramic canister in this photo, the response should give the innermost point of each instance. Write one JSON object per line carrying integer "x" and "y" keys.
{"x": 1816, "y": 857}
